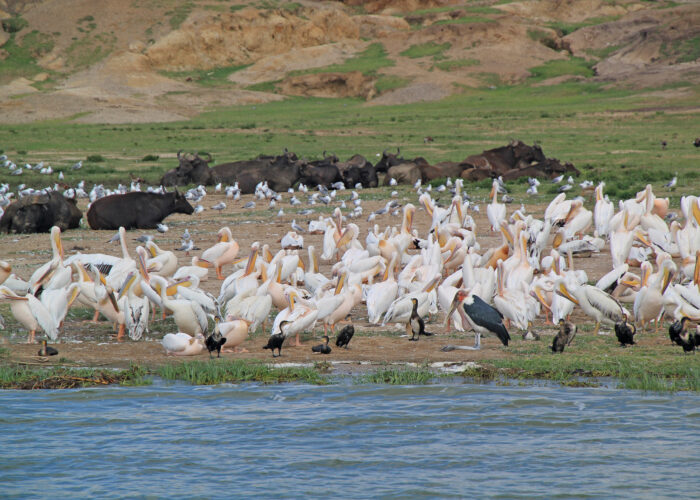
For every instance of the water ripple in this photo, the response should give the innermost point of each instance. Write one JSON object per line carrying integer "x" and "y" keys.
{"x": 350, "y": 441}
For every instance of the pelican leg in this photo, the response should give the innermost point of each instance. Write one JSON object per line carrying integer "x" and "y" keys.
{"x": 218, "y": 273}
{"x": 298, "y": 342}
{"x": 95, "y": 316}
{"x": 120, "y": 333}
{"x": 30, "y": 339}
{"x": 597, "y": 327}
{"x": 242, "y": 350}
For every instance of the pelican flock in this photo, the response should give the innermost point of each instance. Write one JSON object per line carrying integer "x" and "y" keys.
{"x": 494, "y": 280}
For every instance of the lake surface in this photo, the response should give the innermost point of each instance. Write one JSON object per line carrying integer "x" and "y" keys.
{"x": 349, "y": 441}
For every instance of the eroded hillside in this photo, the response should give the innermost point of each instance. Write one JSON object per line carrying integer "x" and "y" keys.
{"x": 117, "y": 61}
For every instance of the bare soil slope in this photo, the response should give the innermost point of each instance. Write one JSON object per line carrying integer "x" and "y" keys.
{"x": 122, "y": 61}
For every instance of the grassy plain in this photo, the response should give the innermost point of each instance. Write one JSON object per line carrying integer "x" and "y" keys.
{"x": 609, "y": 134}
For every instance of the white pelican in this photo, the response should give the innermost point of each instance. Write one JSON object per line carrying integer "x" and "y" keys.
{"x": 400, "y": 309}
{"x": 224, "y": 252}
{"x": 510, "y": 302}
{"x": 235, "y": 331}
{"x": 31, "y": 313}
{"x": 201, "y": 271}
{"x": 351, "y": 298}
{"x": 602, "y": 212}
{"x": 254, "y": 308}
{"x": 312, "y": 278}
{"x": 595, "y": 302}
{"x": 299, "y": 318}
{"x": 135, "y": 308}
{"x": 495, "y": 211}
{"x": 58, "y": 300}
{"x": 182, "y": 344}
{"x": 162, "y": 262}
{"x": 55, "y": 268}
{"x": 5, "y": 270}
{"x": 381, "y": 294}
{"x": 188, "y": 315}
{"x": 649, "y": 301}
{"x": 126, "y": 264}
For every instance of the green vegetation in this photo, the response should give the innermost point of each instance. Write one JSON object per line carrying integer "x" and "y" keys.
{"x": 179, "y": 13}
{"x": 150, "y": 158}
{"x": 14, "y": 24}
{"x": 560, "y": 67}
{"x": 30, "y": 377}
{"x": 386, "y": 83}
{"x": 95, "y": 158}
{"x": 456, "y": 64}
{"x": 368, "y": 62}
{"x": 220, "y": 371}
{"x": 399, "y": 376}
{"x": 542, "y": 37}
{"x": 609, "y": 134}
{"x": 564, "y": 28}
{"x": 425, "y": 50}
{"x": 466, "y": 20}
{"x": 688, "y": 50}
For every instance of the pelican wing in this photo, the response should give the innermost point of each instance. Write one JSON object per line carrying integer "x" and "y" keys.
{"x": 605, "y": 303}
{"x": 201, "y": 316}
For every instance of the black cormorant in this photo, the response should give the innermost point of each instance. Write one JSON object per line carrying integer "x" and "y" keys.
{"x": 276, "y": 340}
{"x": 322, "y": 348}
{"x": 47, "y": 350}
{"x": 625, "y": 332}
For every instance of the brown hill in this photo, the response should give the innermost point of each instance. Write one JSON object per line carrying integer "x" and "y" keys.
{"x": 123, "y": 61}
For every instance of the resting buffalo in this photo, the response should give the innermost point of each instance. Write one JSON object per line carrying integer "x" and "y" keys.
{"x": 324, "y": 172}
{"x": 191, "y": 170}
{"x": 280, "y": 172}
{"x": 136, "y": 210}
{"x": 38, "y": 213}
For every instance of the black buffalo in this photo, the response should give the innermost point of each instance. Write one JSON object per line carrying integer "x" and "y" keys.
{"x": 38, "y": 213}
{"x": 281, "y": 172}
{"x": 136, "y": 210}
{"x": 191, "y": 169}
{"x": 324, "y": 172}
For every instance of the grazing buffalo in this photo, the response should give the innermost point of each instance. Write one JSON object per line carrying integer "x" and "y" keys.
{"x": 191, "y": 170}
{"x": 39, "y": 212}
{"x": 136, "y": 210}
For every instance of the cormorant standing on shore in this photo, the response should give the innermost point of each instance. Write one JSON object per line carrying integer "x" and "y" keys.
{"x": 625, "y": 332}
{"x": 47, "y": 350}
{"x": 677, "y": 328}
{"x": 689, "y": 342}
{"x": 567, "y": 332}
{"x": 276, "y": 340}
{"x": 345, "y": 335}
{"x": 416, "y": 323}
{"x": 214, "y": 343}
{"x": 322, "y": 348}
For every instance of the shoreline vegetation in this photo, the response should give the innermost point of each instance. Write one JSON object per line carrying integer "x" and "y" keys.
{"x": 648, "y": 375}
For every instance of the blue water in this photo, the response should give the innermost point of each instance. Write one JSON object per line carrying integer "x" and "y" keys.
{"x": 349, "y": 441}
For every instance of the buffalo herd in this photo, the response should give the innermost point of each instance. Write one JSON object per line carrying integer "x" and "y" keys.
{"x": 145, "y": 210}
{"x": 284, "y": 171}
